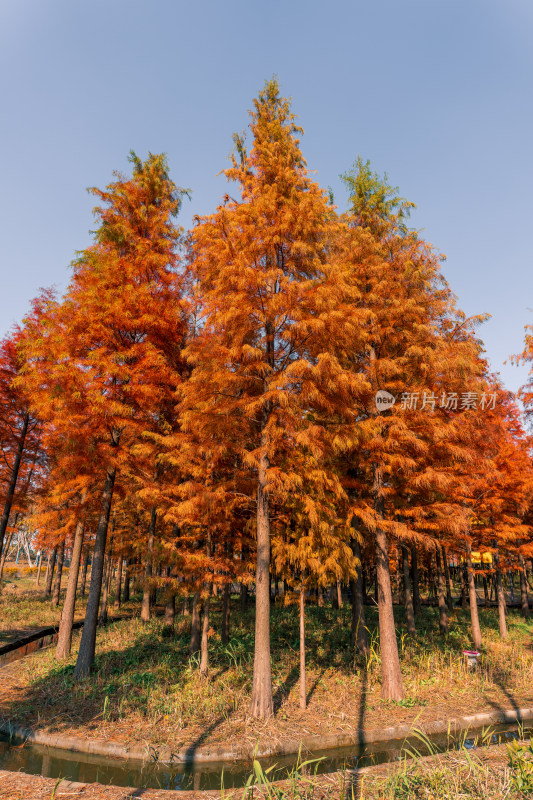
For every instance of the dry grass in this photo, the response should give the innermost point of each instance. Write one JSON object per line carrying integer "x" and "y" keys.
{"x": 503, "y": 772}
{"x": 453, "y": 776}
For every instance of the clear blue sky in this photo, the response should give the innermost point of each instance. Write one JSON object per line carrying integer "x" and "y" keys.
{"x": 437, "y": 93}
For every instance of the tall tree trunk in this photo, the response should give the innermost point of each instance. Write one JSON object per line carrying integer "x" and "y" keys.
{"x": 415, "y": 579}
{"x": 185, "y": 609}
{"x": 13, "y": 479}
{"x": 50, "y": 575}
{"x": 170, "y": 605}
{"x": 106, "y": 578}
{"x": 474, "y": 616}
{"x": 145, "y": 608}
{"x": 47, "y": 572}
{"x": 153, "y": 594}
{"x": 64, "y": 639}
{"x": 88, "y": 636}
{"x": 433, "y": 584}
{"x": 464, "y": 586}
{"x": 511, "y": 585}
{"x": 485, "y": 591}
{"x": 272, "y": 587}
{"x": 85, "y": 566}
{"x": 243, "y": 587}
{"x": 39, "y": 568}
{"x": 226, "y": 610}
{"x": 303, "y": 690}
{"x": 320, "y": 600}
{"x": 364, "y": 581}
{"x": 443, "y": 616}
{"x": 59, "y": 573}
{"x": 334, "y": 597}
{"x": 244, "y": 598}
{"x": 523, "y": 587}
{"x": 262, "y": 705}
{"x": 170, "y": 610}
{"x": 195, "y": 624}
{"x": 392, "y": 685}
{"x": 449, "y": 598}
{"x": 407, "y": 597}
{"x": 204, "y": 648}
{"x": 137, "y": 579}
{"x": 359, "y": 633}
{"x": 529, "y": 564}
{"x": 118, "y": 592}
{"x": 339, "y": 594}
{"x": 127, "y": 582}
{"x": 502, "y": 622}
{"x": 5, "y": 551}
{"x": 397, "y": 577}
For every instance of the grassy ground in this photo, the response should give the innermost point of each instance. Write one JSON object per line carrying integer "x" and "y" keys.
{"x": 23, "y": 605}
{"x": 502, "y": 772}
{"x": 146, "y": 689}
{"x": 498, "y": 773}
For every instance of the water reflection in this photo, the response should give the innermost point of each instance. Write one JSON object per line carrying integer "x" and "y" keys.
{"x": 86, "y": 768}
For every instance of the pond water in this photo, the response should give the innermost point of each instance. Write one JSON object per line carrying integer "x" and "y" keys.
{"x": 56, "y": 763}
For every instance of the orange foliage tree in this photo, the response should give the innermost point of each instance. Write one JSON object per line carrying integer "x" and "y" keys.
{"x": 19, "y": 434}
{"x": 103, "y": 361}
{"x": 261, "y": 360}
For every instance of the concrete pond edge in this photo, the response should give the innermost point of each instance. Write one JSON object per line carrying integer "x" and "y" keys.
{"x": 211, "y": 754}
{"x": 41, "y": 638}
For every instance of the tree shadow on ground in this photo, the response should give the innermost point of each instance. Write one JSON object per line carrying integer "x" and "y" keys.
{"x": 312, "y": 690}
{"x": 499, "y": 681}
{"x": 353, "y": 787}
{"x": 200, "y": 740}
{"x": 510, "y": 696}
{"x": 222, "y": 671}
{"x": 284, "y": 688}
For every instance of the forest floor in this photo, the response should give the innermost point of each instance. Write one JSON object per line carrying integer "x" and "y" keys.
{"x": 146, "y": 690}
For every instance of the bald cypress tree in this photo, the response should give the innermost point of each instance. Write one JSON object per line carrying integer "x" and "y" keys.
{"x": 269, "y": 294}
{"x": 102, "y": 362}
{"x": 407, "y": 303}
